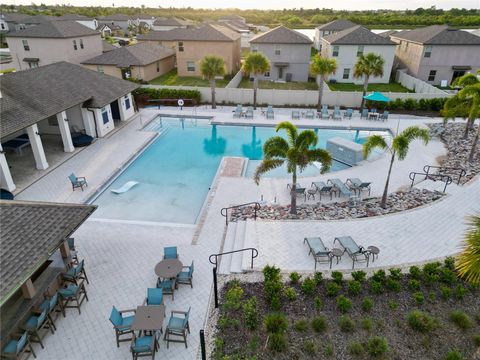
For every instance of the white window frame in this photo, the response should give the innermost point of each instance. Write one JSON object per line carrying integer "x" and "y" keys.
{"x": 191, "y": 68}
{"x": 430, "y": 75}
{"x": 428, "y": 51}
{"x": 335, "y": 49}
{"x": 360, "y": 50}
{"x": 347, "y": 72}
{"x": 81, "y": 44}
{"x": 277, "y": 50}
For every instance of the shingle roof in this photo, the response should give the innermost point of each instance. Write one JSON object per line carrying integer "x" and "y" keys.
{"x": 55, "y": 29}
{"x": 171, "y": 21}
{"x": 15, "y": 17}
{"x": 39, "y": 19}
{"x": 106, "y": 46}
{"x": 135, "y": 55}
{"x": 281, "y": 35}
{"x": 357, "y": 35}
{"x": 337, "y": 25}
{"x": 31, "y": 232}
{"x": 236, "y": 25}
{"x": 32, "y": 95}
{"x": 439, "y": 35}
{"x": 208, "y": 32}
{"x": 73, "y": 17}
{"x": 388, "y": 33}
{"x": 115, "y": 17}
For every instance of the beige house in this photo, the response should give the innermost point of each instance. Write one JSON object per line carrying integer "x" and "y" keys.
{"x": 193, "y": 44}
{"x": 51, "y": 42}
{"x": 142, "y": 61}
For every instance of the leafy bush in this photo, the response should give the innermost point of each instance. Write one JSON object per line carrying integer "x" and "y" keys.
{"x": 225, "y": 322}
{"x": 354, "y": 287}
{"x": 432, "y": 296}
{"x": 414, "y": 284}
{"x": 415, "y": 272}
{"x": 318, "y": 276}
{"x": 309, "y": 347}
{"x": 420, "y": 321}
{"x": 355, "y": 348}
{"x": 462, "y": 320}
{"x": 294, "y": 277}
{"x": 329, "y": 350}
{"x": 337, "y": 276}
{"x": 301, "y": 325}
{"x": 377, "y": 287}
{"x": 250, "y": 313}
{"x": 476, "y": 340}
{"x": 232, "y": 298}
{"x": 273, "y": 286}
{"x": 359, "y": 275}
{"x": 447, "y": 276}
{"x": 319, "y": 323}
{"x": 275, "y": 323}
{"x": 418, "y": 297}
{"x": 366, "y": 324}
{"x": 332, "y": 289}
{"x": 454, "y": 355}
{"x": 393, "y": 285}
{"x": 395, "y": 273}
{"x": 410, "y": 104}
{"x": 367, "y": 304}
{"x": 393, "y": 305}
{"x": 346, "y": 323}
{"x": 277, "y": 342}
{"x": 377, "y": 346}
{"x": 460, "y": 291}
{"x": 271, "y": 273}
{"x": 153, "y": 94}
{"x": 344, "y": 304}
{"x": 290, "y": 293}
{"x": 446, "y": 292}
{"x": 318, "y": 303}
{"x": 431, "y": 270}
{"x": 379, "y": 276}
{"x": 449, "y": 263}
{"x": 275, "y": 303}
{"x": 308, "y": 286}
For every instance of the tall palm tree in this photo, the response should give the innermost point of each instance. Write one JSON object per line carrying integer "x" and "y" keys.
{"x": 467, "y": 262}
{"x": 255, "y": 64}
{"x": 456, "y": 107}
{"x": 472, "y": 92}
{"x": 399, "y": 147}
{"x": 322, "y": 67}
{"x": 212, "y": 66}
{"x": 297, "y": 153}
{"x": 368, "y": 65}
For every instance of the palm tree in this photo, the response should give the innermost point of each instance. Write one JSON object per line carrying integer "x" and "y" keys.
{"x": 322, "y": 67}
{"x": 212, "y": 66}
{"x": 398, "y": 147}
{"x": 255, "y": 64}
{"x": 468, "y": 262}
{"x": 465, "y": 80}
{"x": 472, "y": 92}
{"x": 368, "y": 65}
{"x": 297, "y": 152}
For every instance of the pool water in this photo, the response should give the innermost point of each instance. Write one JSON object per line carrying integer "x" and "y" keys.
{"x": 175, "y": 171}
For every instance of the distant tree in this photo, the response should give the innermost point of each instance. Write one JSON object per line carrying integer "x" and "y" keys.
{"x": 368, "y": 65}
{"x": 255, "y": 64}
{"x": 322, "y": 67}
{"x": 212, "y": 66}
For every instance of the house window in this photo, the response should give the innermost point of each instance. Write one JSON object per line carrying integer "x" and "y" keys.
{"x": 81, "y": 43}
{"x": 428, "y": 51}
{"x": 75, "y": 45}
{"x": 360, "y": 50}
{"x": 3, "y": 26}
{"x": 26, "y": 47}
{"x": 190, "y": 66}
{"x": 100, "y": 69}
{"x": 278, "y": 51}
{"x": 158, "y": 66}
{"x": 336, "y": 49}
{"x": 267, "y": 74}
{"x": 127, "y": 102}
{"x": 105, "y": 115}
{"x": 431, "y": 75}
{"x": 346, "y": 73}
{"x": 33, "y": 64}
{"x": 180, "y": 46}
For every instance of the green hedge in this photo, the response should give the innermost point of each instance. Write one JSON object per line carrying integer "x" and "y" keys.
{"x": 435, "y": 104}
{"x": 152, "y": 94}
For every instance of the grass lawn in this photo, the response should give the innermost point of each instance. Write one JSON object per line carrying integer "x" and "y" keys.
{"x": 171, "y": 78}
{"x": 391, "y": 87}
{"x": 263, "y": 84}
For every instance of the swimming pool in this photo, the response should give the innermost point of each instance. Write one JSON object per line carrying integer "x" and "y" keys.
{"x": 176, "y": 170}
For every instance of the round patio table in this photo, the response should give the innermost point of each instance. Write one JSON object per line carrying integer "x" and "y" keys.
{"x": 168, "y": 268}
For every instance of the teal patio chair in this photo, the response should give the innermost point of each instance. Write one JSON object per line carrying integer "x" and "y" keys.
{"x": 364, "y": 114}
{"x": 348, "y": 113}
{"x": 249, "y": 113}
{"x": 51, "y": 306}
{"x": 238, "y": 111}
{"x": 270, "y": 114}
{"x": 170, "y": 252}
{"x": 295, "y": 114}
{"x": 72, "y": 293}
{"x": 336, "y": 113}
{"x": 73, "y": 250}
{"x": 75, "y": 273}
{"x": 145, "y": 345}
{"x": 167, "y": 286}
{"x": 122, "y": 324}
{"x": 177, "y": 327}
{"x": 35, "y": 324}
{"x": 384, "y": 116}
{"x": 16, "y": 348}
{"x": 324, "y": 113}
{"x": 186, "y": 277}
{"x": 310, "y": 114}
{"x": 77, "y": 182}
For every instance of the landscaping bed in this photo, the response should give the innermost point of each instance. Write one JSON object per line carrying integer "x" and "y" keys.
{"x": 425, "y": 314}
{"x": 390, "y": 87}
{"x": 264, "y": 84}
{"x": 172, "y": 79}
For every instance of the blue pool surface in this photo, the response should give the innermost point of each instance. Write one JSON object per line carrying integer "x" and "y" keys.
{"x": 177, "y": 169}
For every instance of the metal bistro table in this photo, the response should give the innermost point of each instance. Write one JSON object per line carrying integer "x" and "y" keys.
{"x": 168, "y": 268}
{"x": 148, "y": 318}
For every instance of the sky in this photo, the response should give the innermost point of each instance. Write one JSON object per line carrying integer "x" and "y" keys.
{"x": 270, "y": 4}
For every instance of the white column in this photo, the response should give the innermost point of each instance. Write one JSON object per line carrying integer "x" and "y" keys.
{"x": 65, "y": 132}
{"x": 121, "y": 108}
{"x": 88, "y": 122}
{"x": 6, "y": 181}
{"x": 37, "y": 147}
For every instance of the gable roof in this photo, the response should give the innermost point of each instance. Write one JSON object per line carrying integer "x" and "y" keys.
{"x": 106, "y": 46}
{"x": 357, "y": 35}
{"x": 31, "y": 232}
{"x": 115, "y": 17}
{"x": 32, "y": 95}
{"x": 236, "y": 25}
{"x": 281, "y": 35}
{"x": 337, "y": 25}
{"x": 207, "y": 32}
{"x": 388, "y": 33}
{"x": 439, "y": 35}
{"x": 135, "y": 55}
{"x": 171, "y": 21}
{"x": 55, "y": 29}
{"x": 15, "y": 17}
{"x": 73, "y": 17}
{"x": 38, "y": 19}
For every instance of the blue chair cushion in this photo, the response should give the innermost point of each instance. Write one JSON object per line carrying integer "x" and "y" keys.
{"x": 176, "y": 323}
{"x": 166, "y": 285}
{"x": 116, "y": 317}
{"x": 184, "y": 275}
{"x": 170, "y": 252}
{"x": 70, "y": 273}
{"x": 142, "y": 344}
{"x": 45, "y": 305}
{"x": 128, "y": 320}
{"x": 69, "y": 291}
{"x": 11, "y": 347}
{"x": 154, "y": 296}
{"x": 32, "y": 323}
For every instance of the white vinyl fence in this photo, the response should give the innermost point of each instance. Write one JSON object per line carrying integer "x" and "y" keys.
{"x": 417, "y": 85}
{"x": 235, "y": 80}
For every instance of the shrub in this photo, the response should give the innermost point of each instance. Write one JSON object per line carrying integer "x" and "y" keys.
{"x": 271, "y": 273}
{"x": 232, "y": 298}
{"x": 393, "y": 305}
{"x": 275, "y": 323}
{"x": 152, "y": 93}
{"x": 393, "y": 285}
{"x": 329, "y": 350}
{"x": 419, "y": 298}
{"x": 454, "y": 355}
{"x": 294, "y": 277}
{"x": 410, "y": 104}
{"x": 431, "y": 268}
{"x": 250, "y": 313}
{"x": 355, "y": 348}
{"x": 226, "y": 322}
{"x": 367, "y": 304}
{"x": 290, "y": 293}
{"x": 366, "y": 324}
{"x": 318, "y": 303}
{"x": 449, "y": 263}
{"x": 319, "y": 323}
{"x": 476, "y": 340}
{"x": 462, "y": 320}
{"x": 346, "y": 323}
{"x": 273, "y": 286}
{"x": 446, "y": 292}
{"x": 432, "y": 296}
{"x": 377, "y": 287}
{"x": 359, "y": 275}
{"x": 379, "y": 276}
{"x": 415, "y": 272}
{"x": 395, "y": 273}
{"x": 277, "y": 342}
{"x": 308, "y": 286}
{"x": 414, "y": 284}
{"x": 317, "y": 277}
{"x": 420, "y": 321}
{"x": 447, "y": 276}
{"x": 301, "y": 325}
{"x": 309, "y": 347}
{"x": 337, "y": 276}
{"x": 275, "y": 304}
{"x": 332, "y": 289}
{"x": 377, "y": 346}
{"x": 460, "y": 291}
{"x": 354, "y": 287}
{"x": 344, "y": 304}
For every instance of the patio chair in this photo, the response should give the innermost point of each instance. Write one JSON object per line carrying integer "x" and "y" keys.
{"x": 75, "y": 273}
{"x": 77, "y": 182}
{"x": 324, "y": 113}
{"x": 167, "y": 286}
{"x": 355, "y": 252}
{"x": 73, "y": 250}
{"x": 384, "y": 116}
{"x": 145, "y": 345}
{"x": 356, "y": 184}
{"x": 295, "y": 114}
{"x": 340, "y": 187}
{"x": 170, "y": 252}
{"x": 122, "y": 324}
{"x": 270, "y": 113}
{"x": 51, "y": 304}
{"x": 323, "y": 189}
{"x": 72, "y": 293}
{"x": 16, "y": 348}
{"x": 310, "y": 114}
{"x": 373, "y": 110}
{"x": 35, "y": 324}
{"x": 301, "y": 191}
{"x": 289, "y": 185}
{"x": 348, "y": 113}
{"x": 238, "y": 111}
{"x": 249, "y": 113}
{"x": 364, "y": 114}
{"x": 186, "y": 277}
{"x": 336, "y": 113}
{"x": 320, "y": 253}
{"x": 154, "y": 296}
{"x": 17, "y": 144}
{"x": 177, "y": 326}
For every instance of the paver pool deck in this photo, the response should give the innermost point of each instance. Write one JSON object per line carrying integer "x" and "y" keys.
{"x": 120, "y": 256}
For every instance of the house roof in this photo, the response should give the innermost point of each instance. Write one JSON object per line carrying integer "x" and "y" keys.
{"x": 236, "y": 25}
{"x": 15, "y": 17}
{"x": 439, "y": 35}
{"x": 281, "y": 35}
{"x": 232, "y": 17}
{"x": 115, "y": 17}
{"x": 73, "y": 17}
{"x": 140, "y": 54}
{"x": 110, "y": 26}
{"x": 31, "y": 232}
{"x": 171, "y": 21}
{"x": 55, "y": 29}
{"x": 38, "y": 19}
{"x": 207, "y": 32}
{"x": 388, "y": 33}
{"x": 357, "y": 35}
{"x": 337, "y": 25}
{"x": 32, "y": 95}
{"x": 106, "y": 46}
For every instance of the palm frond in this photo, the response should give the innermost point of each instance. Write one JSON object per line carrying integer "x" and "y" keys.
{"x": 290, "y": 129}
{"x": 374, "y": 141}
{"x": 323, "y": 66}
{"x": 322, "y": 156}
{"x": 265, "y": 166}
{"x": 276, "y": 146}
{"x": 212, "y": 66}
{"x": 406, "y": 137}
{"x": 255, "y": 63}
{"x": 400, "y": 144}
{"x": 467, "y": 262}
{"x": 306, "y": 139}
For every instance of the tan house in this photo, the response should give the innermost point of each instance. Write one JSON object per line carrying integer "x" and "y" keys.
{"x": 142, "y": 61}
{"x": 193, "y": 44}
{"x": 51, "y": 42}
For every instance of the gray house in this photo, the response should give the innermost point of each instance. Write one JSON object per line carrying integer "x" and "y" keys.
{"x": 288, "y": 52}
{"x": 437, "y": 53}
{"x": 330, "y": 28}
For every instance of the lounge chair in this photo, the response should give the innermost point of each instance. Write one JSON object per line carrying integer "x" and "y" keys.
{"x": 238, "y": 111}
{"x": 384, "y": 116}
{"x": 364, "y": 114}
{"x": 295, "y": 114}
{"x": 340, "y": 187}
{"x": 336, "y": 113}
{"x": 77, "y": 182}
{"x": 269, "y": 113}
{"x": 320, "y": 253}
{"x": 323, "y": 189}
{"x": 310, "y": 114}
{"x": 356, "y": 253}
{"x": 249, "y": 113}
{"x": 170, "y": 252}
{"x": 16, "y": 348}
{"x": 35, "y": 324}
{"x": 301, "y": 191}
{"x": 178, "y": 326}
{"x": 17, "y": 144}
{"x": 186, "y": 277}
{"x": 356, "y": 184}
{"x": 122, "y": 324}
{"x": 348, "y": 113}
{"x": 144, "y": 345}
{"x": 289, "y": 185}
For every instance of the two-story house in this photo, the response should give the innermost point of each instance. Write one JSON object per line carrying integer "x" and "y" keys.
{"x": 166, "y": 24}
{"x": 347, "y": 45}
{"x": 288, "y": 52}
{"x": 124, "y": 21}
{"x": 330, "y": 28}
{"x": 52, "y": 42}
{"x": 437, "y": 53}
{"x": 193, "y": 44}
{"x": 91, "y": 23}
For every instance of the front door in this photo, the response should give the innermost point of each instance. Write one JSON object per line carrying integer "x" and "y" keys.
{"x": 280, "y": 72}
{"x": 115, "y": 110}
{"x": 457, "y": 73}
